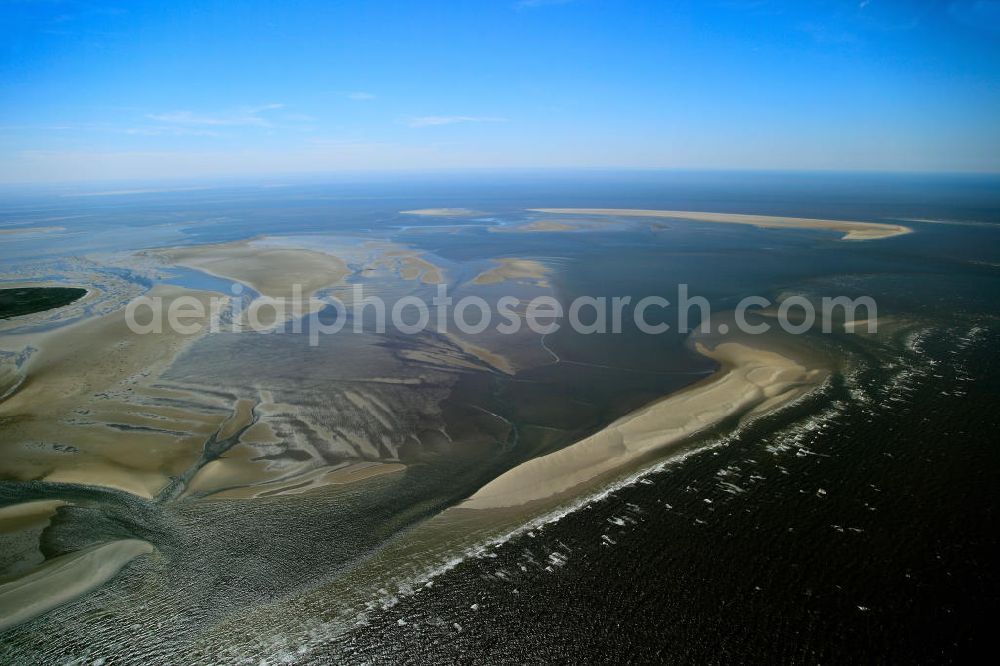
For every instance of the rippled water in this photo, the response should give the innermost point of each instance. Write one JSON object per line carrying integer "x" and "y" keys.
{"x": 858, "y": 524}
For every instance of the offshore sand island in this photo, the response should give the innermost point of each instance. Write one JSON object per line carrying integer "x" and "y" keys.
{"x": 851, "y": 230}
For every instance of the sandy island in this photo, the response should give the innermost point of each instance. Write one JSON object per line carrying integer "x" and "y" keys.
{"x": 851, "y": 230}
{"x": 510, "y": 268}
{"x": 750, "y": 380}
{"x": 272, "y": 271}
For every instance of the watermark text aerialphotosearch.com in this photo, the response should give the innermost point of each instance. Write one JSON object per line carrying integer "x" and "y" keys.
{"x": 471, "y": 315}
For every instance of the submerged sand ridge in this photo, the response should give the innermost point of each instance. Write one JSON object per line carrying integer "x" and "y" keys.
{"x": 852, "y": 230}
{"x": 442, "y": 212}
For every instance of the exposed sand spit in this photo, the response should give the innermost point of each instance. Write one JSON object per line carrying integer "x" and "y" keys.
{"x": 851, "y": 230}
{"x": 64, "y": 578}
{"x": 749, "y": 379}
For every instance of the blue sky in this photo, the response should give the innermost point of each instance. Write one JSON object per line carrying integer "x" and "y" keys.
{"x": 90, "y": 90}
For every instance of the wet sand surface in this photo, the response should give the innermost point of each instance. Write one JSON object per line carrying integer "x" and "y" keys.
{"x": 229, "y": 493}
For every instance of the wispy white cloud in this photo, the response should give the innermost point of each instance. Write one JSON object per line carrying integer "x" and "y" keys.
{"x": 430, "y": 121}
{"x": 360, "y": 96}
{"x": 247, "y": 116}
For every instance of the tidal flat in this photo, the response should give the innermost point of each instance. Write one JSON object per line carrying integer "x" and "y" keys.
{"x": 230, "y": 492}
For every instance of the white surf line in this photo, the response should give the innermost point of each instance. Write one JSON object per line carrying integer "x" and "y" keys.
{"x": 332, "y": 630}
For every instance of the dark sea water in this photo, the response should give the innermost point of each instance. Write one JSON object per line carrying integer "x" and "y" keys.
{"x": 858, "y": 525}
{"x": 849, "y": 534}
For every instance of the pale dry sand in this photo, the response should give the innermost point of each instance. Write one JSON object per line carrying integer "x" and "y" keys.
{"x": 19, "y": 517}
{"x": 750, "y": 379}
{"x": 851, "y": 230}
{"x": 514, "y": 269}
{"x": 442, "y": 212}
{"x": 64, "y": 578}
{"x": 71, "y": 418}
{"x": 271, "y": 271}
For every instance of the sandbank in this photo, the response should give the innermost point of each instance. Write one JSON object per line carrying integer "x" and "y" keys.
{"x": 490, "y": 358}
{"x": 401, "y": 261}
{"x": 514, "y": 269}
{"x": 411, "y": 266}
{"x": 271, "y": 271}
{"x": 64, "y": 578}
{"x": 851, "y": 230}
{"x": 749, "y": 379}
{"x": 17, "y": 517}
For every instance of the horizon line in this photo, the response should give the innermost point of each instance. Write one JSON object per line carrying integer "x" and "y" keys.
{"x": 225, "y": 179}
